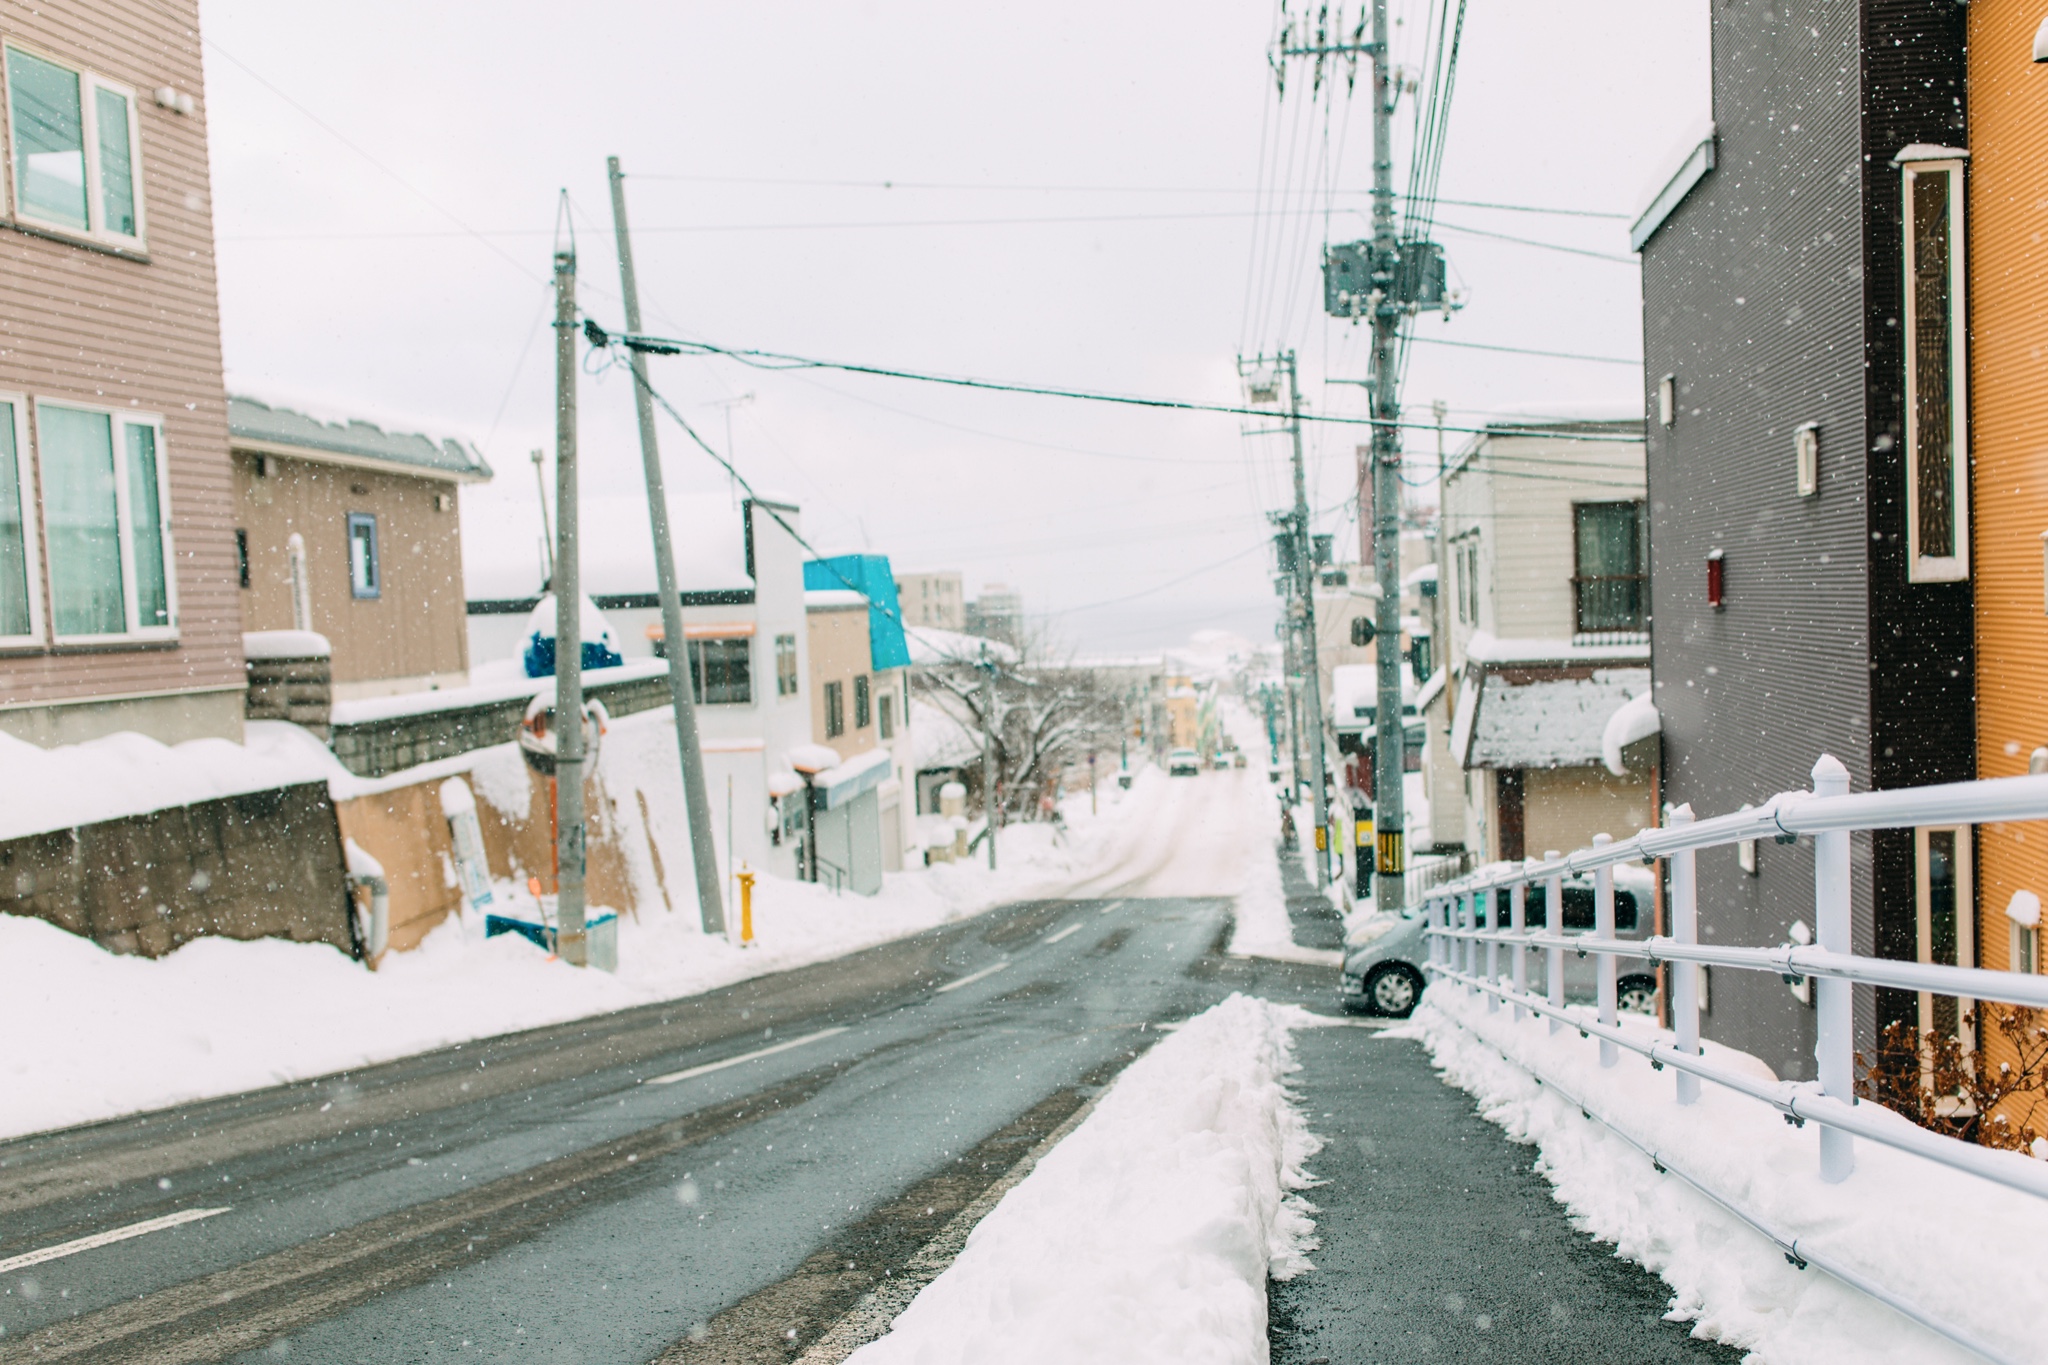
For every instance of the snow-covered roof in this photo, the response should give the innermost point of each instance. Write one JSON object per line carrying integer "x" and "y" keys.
{"x": 1432, "y": 689}
{"x": 256, "y": 425}
{"x": 1484, "y": 647}
{"x": 617, "y": 549}
{"x": 938, "y": 739}
{"x": 929, "y": 645}
{"x": 1688, "y": 166}
{"x": 833, "y": 599}
{"x": 1547, "y": 722}
{"x": 1425, "y": 574}
{"x": 1635, "y": 719}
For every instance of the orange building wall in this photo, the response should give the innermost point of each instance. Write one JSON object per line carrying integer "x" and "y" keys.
{"x": 2008, "y": 294}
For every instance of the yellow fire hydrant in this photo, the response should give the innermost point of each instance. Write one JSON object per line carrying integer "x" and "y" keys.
{"x": 746, "y": 877}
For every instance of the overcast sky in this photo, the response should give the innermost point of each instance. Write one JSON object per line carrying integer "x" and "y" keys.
{"x": 1072, "y": 196}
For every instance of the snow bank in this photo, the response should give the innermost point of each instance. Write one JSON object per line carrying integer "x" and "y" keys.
{"x": 1150, "y": 1232}
{"x": 1964, "y": 1251}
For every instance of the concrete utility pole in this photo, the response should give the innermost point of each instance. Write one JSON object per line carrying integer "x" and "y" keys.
{"x": 703, "y": 855}
{"x": 988, "y": 752}
{"x": 1390, "y": 819}
{"x": 1305, "y": 624}
{"x": 570, "y": 943}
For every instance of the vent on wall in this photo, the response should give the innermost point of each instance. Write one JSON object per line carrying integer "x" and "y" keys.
{"x": 1717, "y": 580}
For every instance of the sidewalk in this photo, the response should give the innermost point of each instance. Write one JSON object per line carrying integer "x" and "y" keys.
{"x": 1316, "y": 922}
{"x": 1439, "y": 1240}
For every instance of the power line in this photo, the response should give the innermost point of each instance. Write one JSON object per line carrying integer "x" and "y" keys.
{"x": 1525, "y": 350}
{"x": 1540, "y": 245}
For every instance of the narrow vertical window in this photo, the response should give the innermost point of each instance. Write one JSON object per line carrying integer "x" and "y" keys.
{"x": 147, "y": 532}
{"x": 861, "y": 706}
{"x": 17, "y": 583}
{"x": 117, "y": 163}
{"x": 82, "y": 517}
{"x": 835, "y": 710}
{"x": 242, "y": 557}
{"x": 48, "y": 116}
{"x": 885, "y": 716}
{"x": 363, "y": 570}
{"x": 1609, "y": 558}
{"x": 1937, "y": 445}
{"x": 785, "y": 665}
{"x": 1946, "y": 897}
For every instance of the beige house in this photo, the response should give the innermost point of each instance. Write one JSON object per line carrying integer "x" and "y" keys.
{"x": 352, "y": 531}
{"x": 857, "y": 708}
{"x": 1545, "y": 592}
{"x": 118, "y": 605}
{"x": 937, "y": 599}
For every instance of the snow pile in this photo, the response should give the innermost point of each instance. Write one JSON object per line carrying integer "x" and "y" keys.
{"x": 1150, "y": 1232}
{"x": 1965, "y": 1252}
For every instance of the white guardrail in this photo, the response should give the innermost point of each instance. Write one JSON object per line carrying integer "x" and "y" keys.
{"x": 1830, "y": 813}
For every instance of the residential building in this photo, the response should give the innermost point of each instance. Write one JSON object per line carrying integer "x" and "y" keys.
{"x": 936, "y": 599}
{"x": 2007, "y": 270}
{"x": 1809, "y": 474}
{"x": 1543, "y": 529}
{"x": 354, "y": 532}
{"x": 118, "y": 601}
{"x": 866, "y": 655}
{"x": 998, "y": 614}
{"x": 741, "y": 574}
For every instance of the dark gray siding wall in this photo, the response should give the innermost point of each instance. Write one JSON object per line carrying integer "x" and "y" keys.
{"x": 1757, "y": 297}
{"x": 1922, "y": 660}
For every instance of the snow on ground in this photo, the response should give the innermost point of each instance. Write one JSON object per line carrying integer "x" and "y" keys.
{"x": 119, "y": 1034}
{"x": 1964, "y": 1251}
{"x": 1149, "y": 1233}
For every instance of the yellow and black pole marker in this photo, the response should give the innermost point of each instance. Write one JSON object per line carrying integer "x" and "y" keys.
{"x": 1362, "y": 855}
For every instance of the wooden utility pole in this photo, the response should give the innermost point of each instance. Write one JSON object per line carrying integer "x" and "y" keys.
{"x": 703, "y": 854}
{"x": 570, "y": 943}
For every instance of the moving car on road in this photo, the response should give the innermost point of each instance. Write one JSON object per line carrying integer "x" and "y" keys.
{"x": 1383, "y": 957}
{"x": 1184, "y": 763}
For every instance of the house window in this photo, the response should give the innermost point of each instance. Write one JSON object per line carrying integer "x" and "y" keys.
{"x": 785, "y": 665}
{"x": 18, "y": 586}
{"x": 886, "y": 715}
{"x": 721, "y": 672}
{"x": 835, "y": 710}
{"x": 1608, "y": 547}
{"x": 1945, "y": 897}
{"x": 74, "y": 150}
{"x": 106, "y": 512}
{"x": 861, "y": 707}
{"x": 364, "y": 573}
{"x": 1937, "y": 406}
{"x": 242, "y": 557}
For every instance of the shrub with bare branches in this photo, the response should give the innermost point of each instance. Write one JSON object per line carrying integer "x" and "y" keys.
{"x": 1942, "y": 1085}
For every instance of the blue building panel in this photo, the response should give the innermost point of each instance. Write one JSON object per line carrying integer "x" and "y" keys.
{"x": 872, "y": 576}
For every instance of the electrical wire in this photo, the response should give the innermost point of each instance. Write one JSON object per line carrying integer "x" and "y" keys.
{"x": 1525, "y": 350}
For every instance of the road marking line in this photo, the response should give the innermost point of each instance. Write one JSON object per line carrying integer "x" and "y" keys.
{"x": 971, "y": 979}
{"x": 1113, "y": 905}
{"x": 100, "y": 1239}
{"x": 1070, "y": 929}
{"x": 710, "y": 1067}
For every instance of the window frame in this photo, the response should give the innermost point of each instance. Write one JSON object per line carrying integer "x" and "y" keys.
{"x": 1966, "y": 920}
{"x": 124, "y": 521}
{"x": 729, "y": 648}
{"x": 835, "y": 709}
{"x": 1581, "y": 579}
{"x": 376, "y": 588}
{"x": 25, "y": 477}
{"x": 863, "y": 701}
{"x": 787, "y": 680}
{"x": 1954, "y": 567}
{"x": 90, "y": 83}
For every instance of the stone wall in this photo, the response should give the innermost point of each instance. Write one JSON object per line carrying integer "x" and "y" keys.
{"x": 378, "y": 748}
{"x": 264, "y": 865}
{"x": 298, "y": 690}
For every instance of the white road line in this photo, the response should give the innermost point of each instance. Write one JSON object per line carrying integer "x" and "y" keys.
{"x": 1113, "y": 905}
{"x": 972, "y": 978}
{"x": 710, "y": 1067}
{"x": 1070, "y": 929}
{"x": 100, "y": 1239}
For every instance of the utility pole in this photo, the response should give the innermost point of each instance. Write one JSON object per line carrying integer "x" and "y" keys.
{"x": 1389, "y": 308}
{"x": 570, "y": 943}
{"x": 988, "y": 752}
{"x": 1304, "y": 612}
{"x": 703, "y": 854}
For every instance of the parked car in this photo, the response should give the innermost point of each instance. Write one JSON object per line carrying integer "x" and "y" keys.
{"x": 1184, "y": 763}
{"x": 1383, "y": 958}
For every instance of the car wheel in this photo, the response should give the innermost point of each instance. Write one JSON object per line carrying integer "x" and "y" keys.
{"x": 1638, "y": 994}
{"x": 1392, "y": 988}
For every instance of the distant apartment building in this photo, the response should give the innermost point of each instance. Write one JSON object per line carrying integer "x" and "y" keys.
{"x": 936, "y": 599}
{"x": 118, "y": 601}
{"x": 353, "y": 531}
{"x": 997, "y": 614}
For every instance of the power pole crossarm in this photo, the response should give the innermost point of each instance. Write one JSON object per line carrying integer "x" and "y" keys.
{"x": 703, "y": 854}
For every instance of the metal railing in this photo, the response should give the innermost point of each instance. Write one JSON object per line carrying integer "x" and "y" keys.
{"x": 1461, "y": 928}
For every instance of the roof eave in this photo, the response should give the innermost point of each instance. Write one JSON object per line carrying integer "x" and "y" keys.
{"x": 348, "y": 460}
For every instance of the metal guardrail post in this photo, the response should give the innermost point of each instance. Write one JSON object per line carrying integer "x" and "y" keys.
{"x": 1834, "y": 1049}
{"x": 1603, "y": 928}
{"x": 1518, "y": 921}
{"x": 1553, "y": 925}
{"x": 1487, "y": 905}
{"x": 1685, "y": 979}
{"x": 1470, "y": 956}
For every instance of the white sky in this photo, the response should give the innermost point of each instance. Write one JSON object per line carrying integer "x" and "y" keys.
{"x": 395, "y": 259}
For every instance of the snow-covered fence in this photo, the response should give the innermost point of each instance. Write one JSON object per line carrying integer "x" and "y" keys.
{"x": 1466, "y": 947}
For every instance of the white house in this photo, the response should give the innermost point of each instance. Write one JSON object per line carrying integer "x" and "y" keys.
{"x": 1544, "y": 582}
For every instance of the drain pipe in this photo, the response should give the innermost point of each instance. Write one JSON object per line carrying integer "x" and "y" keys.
{"x": 367, "y": 873}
